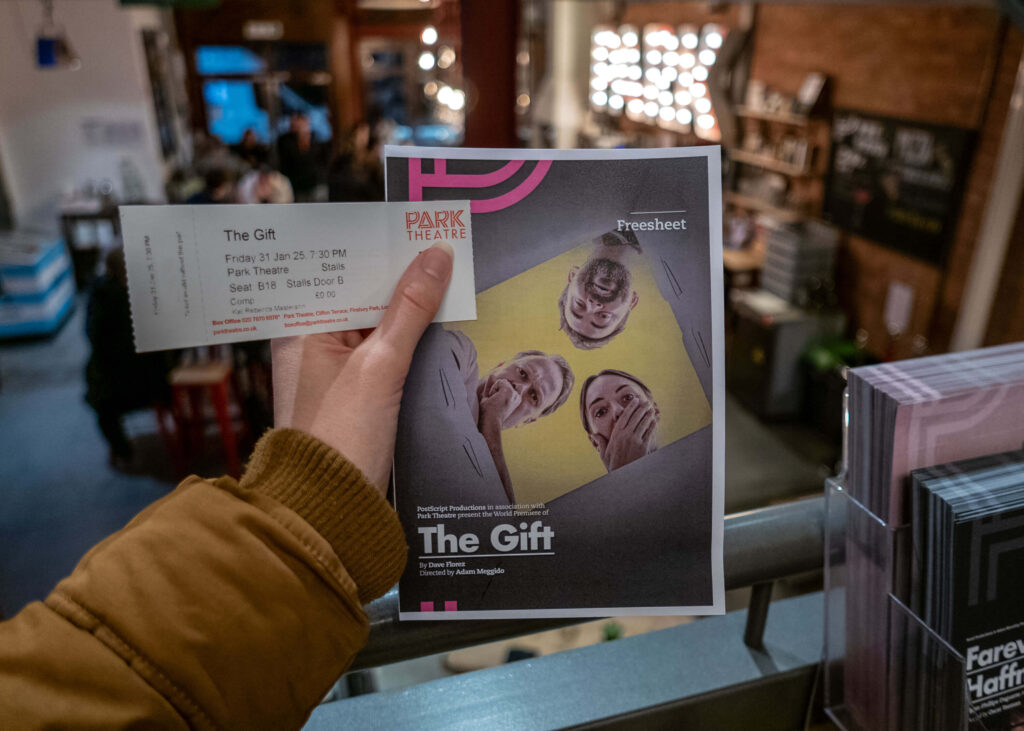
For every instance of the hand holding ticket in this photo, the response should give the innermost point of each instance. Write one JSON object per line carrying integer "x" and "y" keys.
{"x": 345, "y": 388}
{"x": 203, "y": 275}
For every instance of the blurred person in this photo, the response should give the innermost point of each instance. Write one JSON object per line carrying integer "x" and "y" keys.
{"x": 620, "y": 417}
{"x": 299, "y": 158}
{"x": 356, "y": 173}
{"x": 265, "y": 185}
{"x": 218, "y": 187}
{"x": 530, "y": 385}
{"x": 238, "y": 604}
{"x": 250, "y": 150}
{"x": 599, "y": 296}
{"x": 119, "y": 380}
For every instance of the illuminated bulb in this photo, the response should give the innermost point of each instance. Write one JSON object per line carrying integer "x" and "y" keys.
{"x": 683, "y": 116}
{"x": 444, "y": 95}
{"x": 671, "y": 58}
{"x": 599, "y": 98}
{"x": 670, "y": 42}
{"x": 430, "y": 88}
{"x": 650, "y": 92}
{"x": 700, "y": 73}
{"x": 651, "y": 109}
{"x": 446, "y": 57}
{"x": 667, "y": 113}
{"x": 635, "y": 73}
{"x": 629, "y": 38}
{"x": 429, "y": 35}
{"x": 634, "y": 55}
{"x": 705, "y": 121}
{"x": 619, "y": 55}
{"x": 665, "y": 98}
{"x": 613, "y": 40}
{"x": 600, "y": 53}
{"x": 601, "y": 68}
{"x": 654, "y": 57}
{"x": 683, "y": 98}
{"x": 707, "y": 57}
{"x": 685, "y": 78}
{"x": 599, "y": 84}
{"x": 636, "y": 106}
{"x": 687, "y": 60}
{"x": 615, "y": 101}
{"x": 426, "y": 61}
{"x": 651, "y": 39}
{"x": 703, "y": 106}
{"x": 713, "y": 39}
{"x": 458, "y": 100}
{"x": 698, "y": 90}
{"x": 690, "y": 40}
{"x": 669, "y": 74}
{"x": 652, "y": 75}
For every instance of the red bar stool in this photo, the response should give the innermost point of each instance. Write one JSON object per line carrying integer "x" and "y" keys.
{"x": 189, "y": 384}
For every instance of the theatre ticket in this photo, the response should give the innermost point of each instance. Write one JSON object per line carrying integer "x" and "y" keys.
{"x": 204, "y": 275}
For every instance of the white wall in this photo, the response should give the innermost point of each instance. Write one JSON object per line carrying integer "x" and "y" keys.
{"x": 43, "y": 146}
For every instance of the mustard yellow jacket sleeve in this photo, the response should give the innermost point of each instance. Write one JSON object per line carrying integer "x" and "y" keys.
{"x": 223, "y": 605}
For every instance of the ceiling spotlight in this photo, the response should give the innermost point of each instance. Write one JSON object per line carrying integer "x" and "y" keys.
{"x": 705, "y": 121}
{"x": 429, "y": 35}
{"x": 707, "y": 57}
{"x": 426, "y": 60}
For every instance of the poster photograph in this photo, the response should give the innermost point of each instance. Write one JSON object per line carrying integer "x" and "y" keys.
{"x": 562, "y": 455}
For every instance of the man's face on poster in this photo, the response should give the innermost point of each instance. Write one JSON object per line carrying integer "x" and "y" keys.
{"x": 538, "y": 381}
{"x": 599, "y": 297}
{"x": 607, "y": 398}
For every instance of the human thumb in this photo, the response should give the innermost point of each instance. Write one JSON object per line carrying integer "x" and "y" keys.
{"x": 415, "y": 302}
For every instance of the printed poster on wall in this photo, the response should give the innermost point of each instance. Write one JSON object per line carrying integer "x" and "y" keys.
{"x": 563, "y": 454}
{"x": 897, "y": 182}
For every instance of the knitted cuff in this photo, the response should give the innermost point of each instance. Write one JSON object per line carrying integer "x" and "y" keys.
{"x": 333, "y": 496}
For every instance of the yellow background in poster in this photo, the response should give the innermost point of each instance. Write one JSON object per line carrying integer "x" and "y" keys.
{"x": 553, "y": 455}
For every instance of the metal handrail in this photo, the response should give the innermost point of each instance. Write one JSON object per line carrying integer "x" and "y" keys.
{"x": 759, "y": 546}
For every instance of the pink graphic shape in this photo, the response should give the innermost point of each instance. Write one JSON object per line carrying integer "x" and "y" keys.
{"x": 418, "y": 180}
{"x": 426, "y": 606}
{"x": 451, "y": 606}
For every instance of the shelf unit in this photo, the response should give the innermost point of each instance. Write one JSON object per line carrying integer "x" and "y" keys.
{"x": 797, "y": 120}
{"x": 769, "y": 163}
{"x": 784, "y": 215}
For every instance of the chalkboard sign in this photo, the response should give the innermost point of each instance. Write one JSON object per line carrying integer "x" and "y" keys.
{"x": 897, "y": 182}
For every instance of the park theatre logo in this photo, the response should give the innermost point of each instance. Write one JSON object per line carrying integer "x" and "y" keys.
{"x": 439, "y": 225}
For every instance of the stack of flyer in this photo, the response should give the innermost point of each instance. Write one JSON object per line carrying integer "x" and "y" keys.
{"x": 905, "y": 416}
{"x": 968, "y": 559}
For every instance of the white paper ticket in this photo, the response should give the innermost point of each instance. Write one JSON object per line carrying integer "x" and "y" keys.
{"x": 209, "y": 274}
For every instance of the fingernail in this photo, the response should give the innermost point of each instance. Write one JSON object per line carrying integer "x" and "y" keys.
{"x": 437, "y": 260}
